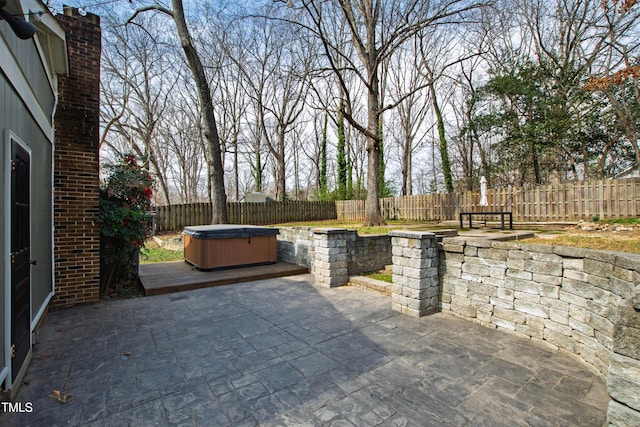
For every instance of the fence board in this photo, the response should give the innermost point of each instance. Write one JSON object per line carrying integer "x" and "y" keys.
{"x": 176, "y": 217}
{"x": 557, "y": 202}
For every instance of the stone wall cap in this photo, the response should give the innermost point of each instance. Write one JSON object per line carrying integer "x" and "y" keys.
{"x": 479, "y": 242}
{"x": 629, "y": 261}
{"x": 297, "y": 227}
{"x": 412, "y": 234}
{"x": 511, "y": 245}
{"x": 329, "y": 230}
{"x": 459, "y": 240}
{"x": 570, "y": 251}
{"x": 601, "y": 255}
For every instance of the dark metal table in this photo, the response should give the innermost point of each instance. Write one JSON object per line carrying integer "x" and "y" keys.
{"x": 485, "y": 214}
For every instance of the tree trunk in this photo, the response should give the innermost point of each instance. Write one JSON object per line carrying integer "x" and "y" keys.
{"x": 373, "y": 216}
{"x": 341, "y": 159}
{"x": 236, "y": 179}
{"x": 216, "y": 171}
{"x": 323, "y": 157}
{"x": 444, "y": 149}
{"x": 281, "y": 191}
{"x": 407, "y": 189}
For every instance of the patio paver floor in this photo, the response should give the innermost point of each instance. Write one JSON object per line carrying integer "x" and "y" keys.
{"x": 285, "y": 352}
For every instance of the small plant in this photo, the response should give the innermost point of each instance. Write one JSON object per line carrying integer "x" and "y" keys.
{"x": 595, "y": 218}
{"x": 125, "y": 199}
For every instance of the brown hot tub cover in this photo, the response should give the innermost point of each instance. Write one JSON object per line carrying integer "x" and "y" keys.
{"x": 220, "y": 246}
{"x": 229, "y": 231}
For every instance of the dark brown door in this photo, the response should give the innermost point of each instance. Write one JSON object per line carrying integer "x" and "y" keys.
{"x": 20, "y": 257}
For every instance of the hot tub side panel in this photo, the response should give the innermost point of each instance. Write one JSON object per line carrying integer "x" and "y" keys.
{"x": 218, "y": 253}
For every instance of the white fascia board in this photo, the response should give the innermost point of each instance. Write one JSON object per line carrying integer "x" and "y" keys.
{"x": 55, "y": 41}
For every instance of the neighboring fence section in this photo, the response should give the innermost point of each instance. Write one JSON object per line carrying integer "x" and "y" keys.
{"x": 608, "y": 199}
{"x": 176, "y": 217}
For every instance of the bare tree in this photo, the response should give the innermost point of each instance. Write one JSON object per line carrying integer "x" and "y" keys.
{"x": 137, "y": 79}
{"x": 181, "y": 137}
{"x": 411, "y": 112}
{"x": 377, "y": 28}
{"x": 276, "y": 66}
{"x": 227, "y": 81}
{"x": 618, "y": 76}
{"x": 468, "y": 141}
{"x": 215, "y": 168}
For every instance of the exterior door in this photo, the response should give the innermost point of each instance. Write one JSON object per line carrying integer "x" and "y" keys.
{"x": 20, "y": 254}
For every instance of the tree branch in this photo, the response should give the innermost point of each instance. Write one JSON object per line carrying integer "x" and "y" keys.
{"x": 154, "y": 7}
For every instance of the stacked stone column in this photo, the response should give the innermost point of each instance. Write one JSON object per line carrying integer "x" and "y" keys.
{"x": 330, "y": 265}
{"x": 415, "y": 273}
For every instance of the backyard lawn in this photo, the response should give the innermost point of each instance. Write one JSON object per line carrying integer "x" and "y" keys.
{"x": 618, "y": 235}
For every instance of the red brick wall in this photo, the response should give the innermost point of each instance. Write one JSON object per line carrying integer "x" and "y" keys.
{"x": 76, "y": 165}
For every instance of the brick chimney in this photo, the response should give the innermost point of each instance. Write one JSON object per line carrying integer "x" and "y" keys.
{"x": 77, "y": 165}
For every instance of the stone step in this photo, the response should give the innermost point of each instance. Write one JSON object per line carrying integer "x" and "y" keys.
{"x": 371, "y": 284}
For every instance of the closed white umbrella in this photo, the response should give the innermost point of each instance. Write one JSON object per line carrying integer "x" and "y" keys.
{"x": 483, "y": 191}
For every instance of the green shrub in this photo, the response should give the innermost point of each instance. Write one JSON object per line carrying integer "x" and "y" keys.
{"x": 123, "y": 219}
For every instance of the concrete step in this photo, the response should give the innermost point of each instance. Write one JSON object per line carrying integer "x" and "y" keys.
{"x": 371, "y": 284}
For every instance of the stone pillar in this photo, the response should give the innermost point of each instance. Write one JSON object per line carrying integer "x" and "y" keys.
{"x": 330, "y": 262}
{"x": 415, "y": 273}
{"x": 623, "y": 378}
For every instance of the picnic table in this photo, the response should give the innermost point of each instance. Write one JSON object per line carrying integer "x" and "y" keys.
{"x": 502, "y": 215}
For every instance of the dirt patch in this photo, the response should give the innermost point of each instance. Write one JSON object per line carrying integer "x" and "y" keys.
{"x": 172, "y": 242}
{"x": 620, "y": 237}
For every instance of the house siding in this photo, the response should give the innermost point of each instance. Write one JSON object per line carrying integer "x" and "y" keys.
{"x": 28, "y": 58}
{"x": 16, "y": 118}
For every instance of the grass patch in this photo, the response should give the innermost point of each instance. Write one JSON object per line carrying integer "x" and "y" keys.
{"x": 158, "y": 254}
{"x": 622, "y": 221}
{"x": 383, "y": 277}
{"x": 357, "y": 225}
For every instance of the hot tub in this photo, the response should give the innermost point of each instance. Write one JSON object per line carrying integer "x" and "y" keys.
{"x": 217, "y": 246}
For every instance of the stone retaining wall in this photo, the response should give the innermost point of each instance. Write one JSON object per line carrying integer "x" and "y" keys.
{"x": 586, "y": 302}
{"x": 364, "y": 253}
{"x": 295, "y": 245}
{"x": 368, "y": 253}
{"x": 569, "y": 297}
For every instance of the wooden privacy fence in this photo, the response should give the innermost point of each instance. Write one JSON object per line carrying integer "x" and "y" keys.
{"x": 176, "y": 217}
{"x": 607, "y": 199}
